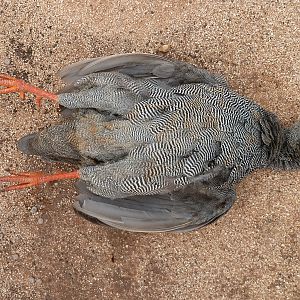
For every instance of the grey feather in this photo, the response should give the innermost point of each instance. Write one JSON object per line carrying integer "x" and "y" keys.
{"x": 160, "y": 144}
{"x": 141, "y": 66}
{"x": 186, "y": 209}
{"x": 134, "y": 64}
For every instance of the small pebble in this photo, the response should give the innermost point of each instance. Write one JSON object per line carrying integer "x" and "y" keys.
{"x": 38, "y": 281}
{"x": 40, "y": 221}
{"x": 6, "y": 61}
{"x": 15, "y": 256}
{"x": 164, "y": 48}
{"x": 31, "y": 280}
{"x": 34, "y": 210}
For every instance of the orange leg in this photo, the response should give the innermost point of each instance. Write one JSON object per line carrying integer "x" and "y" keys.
{"x": 13, "y": 84}
{"x": 25, "y": 180}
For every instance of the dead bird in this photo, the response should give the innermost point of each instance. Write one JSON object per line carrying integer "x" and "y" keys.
{"x": 159, "y": 144}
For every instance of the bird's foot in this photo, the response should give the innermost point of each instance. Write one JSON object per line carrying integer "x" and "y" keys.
{"x": 29, "y": 179}
{"x": 14, "y": 85}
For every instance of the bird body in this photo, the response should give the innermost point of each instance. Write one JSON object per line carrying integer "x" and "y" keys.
{"x": 160, "y": 144}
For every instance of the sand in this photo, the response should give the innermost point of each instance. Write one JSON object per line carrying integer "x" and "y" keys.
{"x": 49, "y": 252}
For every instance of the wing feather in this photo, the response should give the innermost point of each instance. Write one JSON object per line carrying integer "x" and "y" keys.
{"x": 192, "y": 207}
{"x": 171, "y": 72}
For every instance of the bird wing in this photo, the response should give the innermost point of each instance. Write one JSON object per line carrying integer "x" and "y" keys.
{"x": 144, "y": 66}
{"x": 187, "y": 209}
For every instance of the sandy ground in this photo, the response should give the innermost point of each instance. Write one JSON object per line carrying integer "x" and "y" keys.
{"x": 49, "y": 252}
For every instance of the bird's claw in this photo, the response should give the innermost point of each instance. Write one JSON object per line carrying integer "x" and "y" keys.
{"x": 14, "y": 85}
{"x": 29, "y": 179}
{"x": 23, "y": 180}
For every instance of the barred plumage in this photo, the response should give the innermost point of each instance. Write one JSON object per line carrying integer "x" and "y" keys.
{"x": 160, "y": 143}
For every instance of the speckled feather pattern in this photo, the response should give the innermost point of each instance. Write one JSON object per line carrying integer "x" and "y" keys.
{"x": 171, "y": 135}
{"x": 150, "y": 127}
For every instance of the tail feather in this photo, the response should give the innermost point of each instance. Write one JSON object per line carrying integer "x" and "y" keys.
{"x": 51, "y": 144}
{"x": 25, "y": 144}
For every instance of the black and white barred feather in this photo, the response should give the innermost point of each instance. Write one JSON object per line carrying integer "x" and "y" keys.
{"x": 160, "y": 143}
